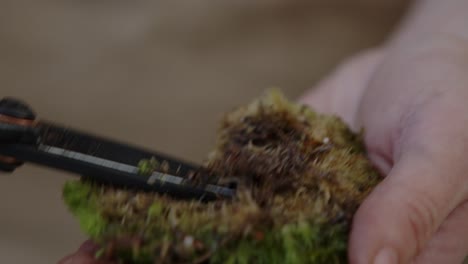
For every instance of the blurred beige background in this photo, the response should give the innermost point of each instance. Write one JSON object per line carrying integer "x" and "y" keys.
{"x": 157, "y": 74}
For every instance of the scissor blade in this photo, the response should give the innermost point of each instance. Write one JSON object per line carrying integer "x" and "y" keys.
{"x": 78, "y": 141}
{"x": 111, "y": 163}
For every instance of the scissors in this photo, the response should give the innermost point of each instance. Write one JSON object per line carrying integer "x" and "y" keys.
{"x": 25, "y": 138}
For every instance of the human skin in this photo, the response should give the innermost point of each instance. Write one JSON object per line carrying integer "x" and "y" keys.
{"x": 411, "y": 98}
{"x": 84, "y": 255}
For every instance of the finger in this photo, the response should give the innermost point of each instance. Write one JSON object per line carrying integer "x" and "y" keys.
{"x": 405, "y": 210}
{"x": 450, "y": 243}
{"x": 340, "y": 92}
{"x": 81, "y": 258}
{"x": 88, "y": 247}
{"x": 84, "y": 255}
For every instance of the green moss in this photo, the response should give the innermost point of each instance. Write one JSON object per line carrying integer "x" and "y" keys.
{"x": 77, "y": 195}
{"x": 294, "y": 244}
{"x": 301, "y": 176}
{"x": 155, "y": 209}
{"x": 81, "y": 201}
{"x": 147, "y": 167}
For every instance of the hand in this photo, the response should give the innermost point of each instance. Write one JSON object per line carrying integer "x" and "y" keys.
{"x": 84, "y": 255}
{"x": 413, "y": 104}
{"x": 411, "y": 99}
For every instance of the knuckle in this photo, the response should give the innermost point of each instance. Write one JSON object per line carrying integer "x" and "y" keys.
{"x": 421, "y": 218}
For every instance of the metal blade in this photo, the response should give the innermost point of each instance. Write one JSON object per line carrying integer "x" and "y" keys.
{"x": 111, "y": 163}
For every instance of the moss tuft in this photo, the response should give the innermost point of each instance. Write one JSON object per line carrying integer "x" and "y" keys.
{"x": 300, "y": 178}
{"x": 80, "y": 199}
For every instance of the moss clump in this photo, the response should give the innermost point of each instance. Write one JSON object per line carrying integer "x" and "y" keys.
{"x": 81, "y": 200}
{"x": 300, "y": 177}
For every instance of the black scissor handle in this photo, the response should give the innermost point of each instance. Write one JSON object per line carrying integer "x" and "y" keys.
{"x": 17, "y": 109}
{"x": 14, "y": 134}
{"x": 17, "y": 125}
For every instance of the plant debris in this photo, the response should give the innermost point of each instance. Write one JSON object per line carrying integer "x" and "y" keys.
{"x": 300, "y": 177}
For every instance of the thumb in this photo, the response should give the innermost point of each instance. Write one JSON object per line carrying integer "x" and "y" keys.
{"x": 400, "y": 216}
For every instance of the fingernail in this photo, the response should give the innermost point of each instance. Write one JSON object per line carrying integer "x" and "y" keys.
{"x": 386, "y": 256}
